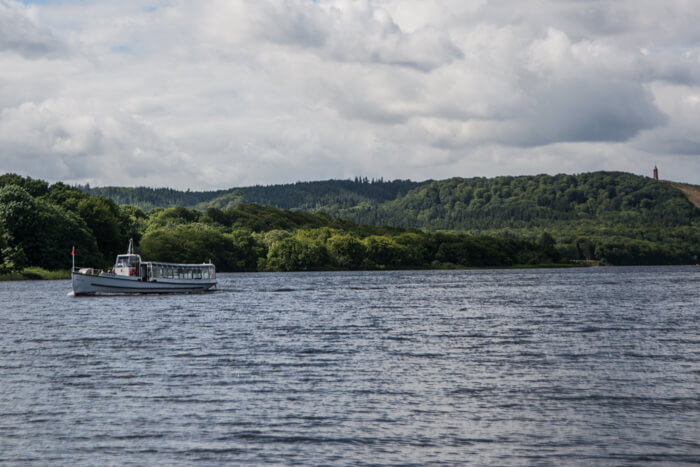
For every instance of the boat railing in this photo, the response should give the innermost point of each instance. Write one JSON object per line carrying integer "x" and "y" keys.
{"x": 88, "y": 271}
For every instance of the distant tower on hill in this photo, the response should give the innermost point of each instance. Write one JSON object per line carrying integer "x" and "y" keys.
{"x": 656, "y": 173}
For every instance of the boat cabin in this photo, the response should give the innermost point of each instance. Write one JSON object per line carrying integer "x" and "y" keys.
{"x": 127, "y": 265}
{"x": 131, "y": 265}
{"x": 181, "y": 271}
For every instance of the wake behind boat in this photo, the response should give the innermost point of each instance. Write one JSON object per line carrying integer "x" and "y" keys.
{"x": 131, "y": 275}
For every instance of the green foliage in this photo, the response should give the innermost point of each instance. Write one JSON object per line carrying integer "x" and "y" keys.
{"x": 12, "y": 258}
{"x": 198, "y": 243}
{"x": 323, "y": 248}
{"x": 37, "y": 273}
{"x": 346, "y": 251}
{"x": 35, "y": 188}
{"x": 259, "y": 218}
{"x": 330, "y": 195}
{"x": 152, "y": 198}
{"x": 517, "y": 202}
{"x": 300, "y": 252}
{"x": 615, "y": 218}
{"x": 110, "y": 225}
{"x": 384, "y": 252}
{"x": 45, "y": 232}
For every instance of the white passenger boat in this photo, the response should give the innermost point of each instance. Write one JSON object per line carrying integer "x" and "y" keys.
{"x": 131, "y": 275}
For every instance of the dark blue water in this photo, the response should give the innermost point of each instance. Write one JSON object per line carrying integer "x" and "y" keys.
{"x": 596, "y": 366}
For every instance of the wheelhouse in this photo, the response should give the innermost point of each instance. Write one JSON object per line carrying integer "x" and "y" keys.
{"x": 127, "y": 265}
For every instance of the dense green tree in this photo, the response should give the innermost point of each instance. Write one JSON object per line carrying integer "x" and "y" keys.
{"x": 384, "y": 252}
{"x": 45, "y": 232}
{"x": 346, "y": 251}
{"x": 35, "y": 188}
{"x": 472, "y": 251}
{"x": 11, "y": 258}
{"x": 297, "y": 253}
{"x": 247, "y": 250}
{"x": 416, "y": 249}
{"x": 190, "y": 243}
{"x": 111, "y": 225}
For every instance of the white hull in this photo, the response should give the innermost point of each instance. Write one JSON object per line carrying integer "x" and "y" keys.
{"x": 84, "y": 284}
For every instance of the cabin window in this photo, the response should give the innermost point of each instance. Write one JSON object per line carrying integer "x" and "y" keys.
{"x": 198, "y": 274}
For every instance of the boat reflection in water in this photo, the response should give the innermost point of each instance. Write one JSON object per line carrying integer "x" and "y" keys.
{"x": 131, "y": 275}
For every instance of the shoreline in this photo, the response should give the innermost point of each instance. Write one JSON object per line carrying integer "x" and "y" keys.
{"x": 38, "y": 274}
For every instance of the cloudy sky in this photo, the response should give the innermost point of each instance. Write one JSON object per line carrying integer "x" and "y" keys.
{"x": 221, "y": 93}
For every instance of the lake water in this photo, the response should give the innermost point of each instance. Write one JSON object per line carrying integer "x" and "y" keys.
{"x": 595, "y": 366}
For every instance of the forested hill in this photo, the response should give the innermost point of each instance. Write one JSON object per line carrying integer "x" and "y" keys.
{"x": 150, "y": 198}
{"x": 533, "y": 201}
{"x": 612, "y": 217}
{"x": 329, "y": 195}
{"x": 454, "y": 204}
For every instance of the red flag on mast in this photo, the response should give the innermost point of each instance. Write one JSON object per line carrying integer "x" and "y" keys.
{"x": 72, "y": 253}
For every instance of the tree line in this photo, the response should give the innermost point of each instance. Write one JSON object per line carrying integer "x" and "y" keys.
{"x": 615, "y": 218}
{"x": 453, "y": 204}
{"x": 328, "y": 195}
{"x": 40, "y": 223}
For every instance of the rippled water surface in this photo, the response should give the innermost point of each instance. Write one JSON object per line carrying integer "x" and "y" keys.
{"x": 596, "y": 366}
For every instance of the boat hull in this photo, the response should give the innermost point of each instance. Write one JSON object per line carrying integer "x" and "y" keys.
{"x": 89, "y": 284}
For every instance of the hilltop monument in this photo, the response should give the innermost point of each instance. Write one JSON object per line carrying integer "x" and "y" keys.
{"x": 656, "y": 173}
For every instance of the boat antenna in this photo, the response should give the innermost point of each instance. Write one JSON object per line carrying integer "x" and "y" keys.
{"x": 131, "y": 247}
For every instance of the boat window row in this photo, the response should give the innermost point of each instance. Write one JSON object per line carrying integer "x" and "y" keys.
{"x": 171, "y": 271}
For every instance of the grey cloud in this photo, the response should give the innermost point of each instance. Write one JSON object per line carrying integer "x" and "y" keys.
{"x": 358, "y": 32}
{"x": 19, "y": 34}
{"x": 303, "y": 26}
{"x": 670, "y": 67}
{"x": 629, "y": 23}
{"x": 683, "y": 145}
{"x": 586, "y": 110}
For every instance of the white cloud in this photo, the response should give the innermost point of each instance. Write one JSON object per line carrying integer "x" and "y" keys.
{"x": 67, "y": 139}
{"x": 223, "y": 93}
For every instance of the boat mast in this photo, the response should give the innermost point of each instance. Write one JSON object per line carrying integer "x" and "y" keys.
{"x": 131, "y": 247}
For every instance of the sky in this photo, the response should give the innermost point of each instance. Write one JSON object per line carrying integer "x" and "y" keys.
{"x": 216, "y": 94}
